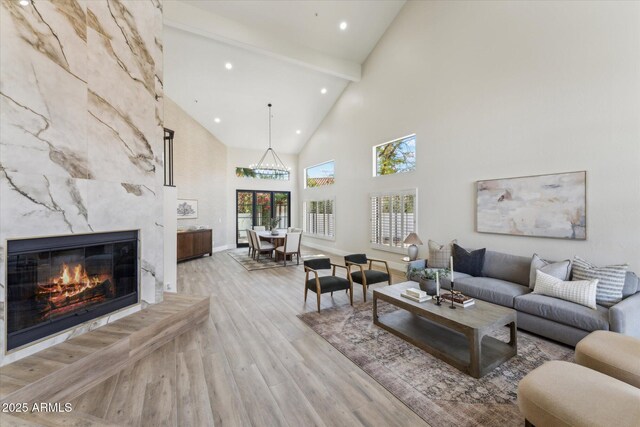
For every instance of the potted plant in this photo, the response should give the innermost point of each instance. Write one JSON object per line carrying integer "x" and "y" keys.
{"x": 273, "y": 225}
{"x": 427, "y": 278}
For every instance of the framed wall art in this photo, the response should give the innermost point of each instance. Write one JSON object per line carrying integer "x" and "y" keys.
{"x": 187, "y": 209}
{"x": 551, "y": 205}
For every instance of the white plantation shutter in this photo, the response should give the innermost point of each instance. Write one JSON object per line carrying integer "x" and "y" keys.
{"x": 319, "y": 218}
{"x": 375, "y": 220}
{"x": 393, "y": 217}
{"x": 330, "y": 218}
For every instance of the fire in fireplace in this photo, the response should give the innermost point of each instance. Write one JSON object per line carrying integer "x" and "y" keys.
{"x": 72, "y": 290}
{"x": 58, "y": 282}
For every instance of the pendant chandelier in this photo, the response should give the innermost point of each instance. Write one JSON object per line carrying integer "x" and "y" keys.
{"x": 270, "y": 163}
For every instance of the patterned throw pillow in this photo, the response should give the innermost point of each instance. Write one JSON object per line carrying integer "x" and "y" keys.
{"x": 610, "y": 280}
{"x": 470, "y": 263}
{"x": 439, "y": 255}
{"x": 581, "y": 292}
{"x": 561, "y": 269}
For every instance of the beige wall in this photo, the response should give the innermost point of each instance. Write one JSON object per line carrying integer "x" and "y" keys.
{"x": 205, "y": 170}
{"x": 200, "y": 171}
{"x": 494, "y": 90}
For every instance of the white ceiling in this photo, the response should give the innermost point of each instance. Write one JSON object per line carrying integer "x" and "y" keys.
{"x": 281, "y": 54}
{"x": 314, "y": 24}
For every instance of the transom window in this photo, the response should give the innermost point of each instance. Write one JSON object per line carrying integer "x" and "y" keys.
{"x": 319, "y": 175}
{"x": 262, "y": 174}
{"x": 395, "y": 156}
{"x": 393, "y": 217}
{"x": 319, "y": 218}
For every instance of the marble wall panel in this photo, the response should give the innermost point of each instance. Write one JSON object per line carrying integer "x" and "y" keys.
{"x": 43, "y": 88}
{"x": 122, "y": 116}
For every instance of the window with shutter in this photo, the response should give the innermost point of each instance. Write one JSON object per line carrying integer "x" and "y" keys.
{"x": 393, "y": 217}
{"x": 319, "y": 218}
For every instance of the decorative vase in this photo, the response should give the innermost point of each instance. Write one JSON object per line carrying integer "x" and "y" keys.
{"x": 413, "y": 252}
{"x": 274, "y": 232}
{"x": 428, "y": 285}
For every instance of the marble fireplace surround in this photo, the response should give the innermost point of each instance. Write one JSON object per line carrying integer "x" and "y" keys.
{"x": 81, "y": 132}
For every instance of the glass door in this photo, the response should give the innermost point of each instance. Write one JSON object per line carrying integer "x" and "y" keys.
{"x": 256, "y": 208}
{"x": 263, "y": 209}
{"x": 244, "y": 216}
{"x": 281, "y": 209}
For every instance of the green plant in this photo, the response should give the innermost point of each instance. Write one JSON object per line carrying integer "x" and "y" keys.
{"x": 273, "y": 223}
{"x": 429, "y": 273}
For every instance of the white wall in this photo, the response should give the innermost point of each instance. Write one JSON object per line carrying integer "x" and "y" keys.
{"x": 494, "y": 90}
{"x": 200, "y": 171}
{"x": 170, "y": 215}
{"x": 239, "y": 157}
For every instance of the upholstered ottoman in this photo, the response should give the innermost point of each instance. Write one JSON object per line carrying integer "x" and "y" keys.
{"x": 566, "y": 394}
{"x": 612, "y": 354}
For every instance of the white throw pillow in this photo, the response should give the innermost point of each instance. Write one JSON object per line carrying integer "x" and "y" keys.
{"x": 581, "y": 292}
{"x": 559, "y": 269}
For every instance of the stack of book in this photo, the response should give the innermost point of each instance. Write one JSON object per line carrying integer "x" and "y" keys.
{"x": 459, "y": 300}
{"x": 416, "y": 295}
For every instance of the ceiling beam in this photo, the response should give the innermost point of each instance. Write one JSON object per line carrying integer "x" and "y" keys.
{"x": 197, "y": 21}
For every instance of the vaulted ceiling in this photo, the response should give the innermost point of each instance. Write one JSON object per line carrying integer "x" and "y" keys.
{"x": 280, "y": 52}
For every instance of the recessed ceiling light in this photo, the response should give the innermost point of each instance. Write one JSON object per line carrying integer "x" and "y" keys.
{"x": 24, "y": 2}
{"x": 323, "y": 90}
{"x": 298, "y": 131}
{"x": 228, "y": 65}
{"x": 343, "y": 25}
{"x": 217, "y": 120}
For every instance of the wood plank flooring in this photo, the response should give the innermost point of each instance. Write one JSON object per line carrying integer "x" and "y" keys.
{"x": 253, "y": 363}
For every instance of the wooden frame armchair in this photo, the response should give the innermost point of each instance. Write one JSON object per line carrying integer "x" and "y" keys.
{"x": 367, "y": 276}
{"x": 323, "y": 284}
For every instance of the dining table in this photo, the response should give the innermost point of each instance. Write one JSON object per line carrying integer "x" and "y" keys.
{"x": 276, "y": 239}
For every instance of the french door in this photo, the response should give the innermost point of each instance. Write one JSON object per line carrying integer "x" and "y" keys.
{"x": 256, "y": 208}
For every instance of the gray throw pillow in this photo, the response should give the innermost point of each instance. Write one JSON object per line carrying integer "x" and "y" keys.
{"x": 560, "y": 270}
{"x": 610, "y": 280}
{"x": 466, "y": 262}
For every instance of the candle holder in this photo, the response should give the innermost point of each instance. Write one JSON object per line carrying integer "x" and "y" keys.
{"x": 453, "y": 295}
{"x": 437, "y": 298}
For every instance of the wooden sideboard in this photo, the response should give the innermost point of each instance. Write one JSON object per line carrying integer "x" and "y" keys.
{"x": 194, "y": 244}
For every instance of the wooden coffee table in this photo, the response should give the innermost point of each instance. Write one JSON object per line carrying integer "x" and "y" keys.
{"x": 458, "y": 337}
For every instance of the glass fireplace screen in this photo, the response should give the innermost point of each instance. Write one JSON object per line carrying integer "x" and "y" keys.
{"x": 56, "y": 283}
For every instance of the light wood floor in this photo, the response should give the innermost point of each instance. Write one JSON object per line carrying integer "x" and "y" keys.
{"x": 253, "y": 363}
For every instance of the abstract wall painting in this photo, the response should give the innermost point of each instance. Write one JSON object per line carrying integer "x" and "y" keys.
{"x": 542, "y": 206}
{"x": 187, "y": 209}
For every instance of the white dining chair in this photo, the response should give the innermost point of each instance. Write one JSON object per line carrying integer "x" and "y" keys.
{"x": 250, "y": 240}
{"x": 291, "y": 246}
{"x": 254, "y": 241}
{"x": 262, "y": 246}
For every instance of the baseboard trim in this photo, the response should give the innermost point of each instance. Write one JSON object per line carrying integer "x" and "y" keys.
{"x": 222, "y": 248}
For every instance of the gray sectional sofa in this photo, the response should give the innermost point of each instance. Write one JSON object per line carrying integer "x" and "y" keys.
{"x": 505, "y": 282}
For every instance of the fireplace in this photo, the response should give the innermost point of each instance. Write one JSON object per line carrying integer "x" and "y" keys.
{"x": 55, "y": 283}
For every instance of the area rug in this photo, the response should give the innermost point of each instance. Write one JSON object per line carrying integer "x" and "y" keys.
{"x": 242, "y": 256}
{"x": 434, "y": 390}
